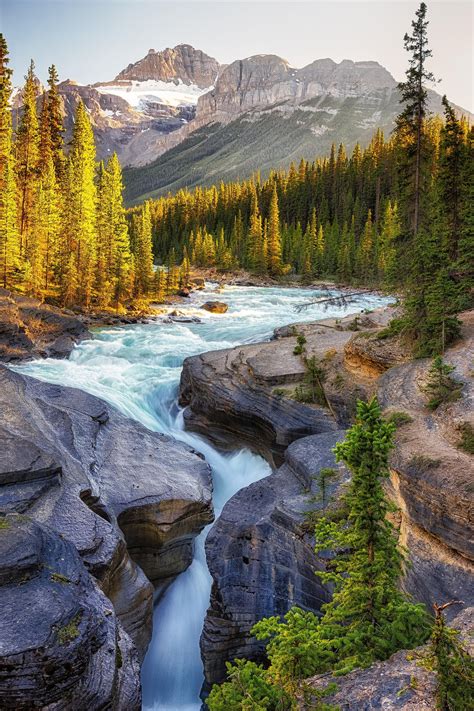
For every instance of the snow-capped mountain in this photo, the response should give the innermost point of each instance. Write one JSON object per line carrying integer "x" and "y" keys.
{"x": 226, "y": 121}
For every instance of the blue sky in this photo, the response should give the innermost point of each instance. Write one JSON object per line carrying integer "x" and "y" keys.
{"x": 93, "y": 40}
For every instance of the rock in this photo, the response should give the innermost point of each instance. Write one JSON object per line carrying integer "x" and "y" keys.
{"x": 432, "y": 476}
{"x": 197, "y": 282}
{"x": 261, "y": 560}
{"x": 61, "y": 644}
{"x": 184, "y": 292}
{"x": 130, "y": 500}
{"x": 401, "y": 683}
{"x": 372, "y": 356}
{"x": 30, "y": 329}
{"x": 228, "y": 402}
{"x": 183, "y": 64}
{"x": 215, "y": 307}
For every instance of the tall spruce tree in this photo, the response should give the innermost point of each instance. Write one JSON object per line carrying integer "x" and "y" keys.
{"x": 27, "y": 160}
{"x": 274, "y": 264}
{"x": 368, "y": 618}
{"x": 80, "y": 201}
{"x": 9, "y": 239}
{"x": 411, "y": 123}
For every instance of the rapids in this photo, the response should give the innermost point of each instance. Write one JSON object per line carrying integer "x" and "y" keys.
{"x": 137, "y": 369}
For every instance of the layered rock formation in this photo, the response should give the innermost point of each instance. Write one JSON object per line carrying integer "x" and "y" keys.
{"x": 61, "y": 644}
{"x": 31, "y": 329}
{"x": 181, "y": 63}
{"x": 260, "y": 556}
{"x": 266, "y": 80}
{"x": 128, "y": 500}
{"x": 248, "y": 392}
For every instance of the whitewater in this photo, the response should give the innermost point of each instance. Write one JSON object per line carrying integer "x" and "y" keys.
{"x": 137, "y": 369}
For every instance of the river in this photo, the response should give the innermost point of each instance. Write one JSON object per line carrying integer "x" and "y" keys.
{"x": 137, "y": 369}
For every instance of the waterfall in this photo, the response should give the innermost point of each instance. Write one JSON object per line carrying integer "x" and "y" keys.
{"x": 137, "y": 369}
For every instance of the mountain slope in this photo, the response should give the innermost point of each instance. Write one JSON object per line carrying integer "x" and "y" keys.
{"x": 265, "y": 139}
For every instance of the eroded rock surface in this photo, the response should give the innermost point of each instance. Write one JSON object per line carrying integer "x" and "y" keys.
{"x": 61, "y": 644}
{"x": 31, "y": 329}
{"x": 261, "y": 557}
{"x": 128, "y": 499}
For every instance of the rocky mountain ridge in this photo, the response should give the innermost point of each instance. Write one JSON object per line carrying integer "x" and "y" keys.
{"x": 183, "y": 99}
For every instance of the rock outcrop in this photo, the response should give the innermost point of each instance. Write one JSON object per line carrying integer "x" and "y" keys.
{"x": 266, "y": 80}
{"x": 61, "y": 644}
{"x": 261, "y": 557}
{"x": 128, "y": 500}
{"x": 432, "y": 476}
{"x": 181, "y": 63}
{"x": 402, "y": 683}
{"x": 246, "y": 392}
{"x": 31, "y": 329}
{"x": 215, "y": 307}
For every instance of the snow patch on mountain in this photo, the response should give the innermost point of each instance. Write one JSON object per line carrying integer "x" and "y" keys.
{"x": 140, "y": 94}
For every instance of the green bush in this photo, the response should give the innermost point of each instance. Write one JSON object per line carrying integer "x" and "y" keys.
{"x": 441, "y": 388}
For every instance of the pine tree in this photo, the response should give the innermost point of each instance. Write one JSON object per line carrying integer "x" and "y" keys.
{"x": 55, "y": 122}
{"x": 47, "y": 215}
{"x": 27, "y": 160}
{"x": 274, "y": 264}
{"x": 368, "y": 617}
{"x": 411, "y": 122}
{"x": 453, "y": 664}
{"x": 80, "y": 202}
{"x": 113, "y": 244}
{"x": 143, "y": 251}
{"x": 389, "y": 234}
{"x": 9, "y": 239}
{"x": 365, "y": 251}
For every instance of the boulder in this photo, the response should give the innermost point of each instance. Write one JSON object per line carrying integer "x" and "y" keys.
{"x": 260, "y": 555}
{"x": 215, "y": 307}
{"x": 128, "y": 499}
{"x": 61, "y": 644}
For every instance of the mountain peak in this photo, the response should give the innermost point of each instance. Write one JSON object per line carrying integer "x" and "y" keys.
{"x": 181, "y": 63}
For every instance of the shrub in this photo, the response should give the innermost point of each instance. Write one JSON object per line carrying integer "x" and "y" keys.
{"x": 300, "y": 345}
{"x": 399, "y": 418}
{"x": 440, "y": 387}
{"x": 467, "y": 437}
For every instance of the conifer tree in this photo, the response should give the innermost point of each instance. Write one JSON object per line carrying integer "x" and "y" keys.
{"x": 411, "y": 122}
{"x": 274, "y": 264}
{"x": 9, "y": 240}
{"x": 113, "y": 244}
{"x": 55, "y": 122}
{"x": 365, "y": 251}
{"x": 389, "y": 234}
{"x": 368, "y": 617}
{"x": 143, "y": 251}
{"x": 47, "y": 215}
{"x": 27, "y": 160}
{"x": 80, "y": 200}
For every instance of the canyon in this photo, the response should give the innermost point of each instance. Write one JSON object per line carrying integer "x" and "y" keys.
{"x": 101, "y": 510}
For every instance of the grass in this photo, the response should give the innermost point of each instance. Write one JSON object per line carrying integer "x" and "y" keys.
{"x": 399, "y": 418}
{"x": 3, "y": 523}
{"x": 59, "y": 578}
{"x": 423, "y": 463}
{"x": 466, "y": 443}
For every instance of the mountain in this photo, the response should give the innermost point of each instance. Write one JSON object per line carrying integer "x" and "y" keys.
{"x": 179, "y": 118}
{"x": 263, "y": 114}
{"x": 146, "y": 101}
